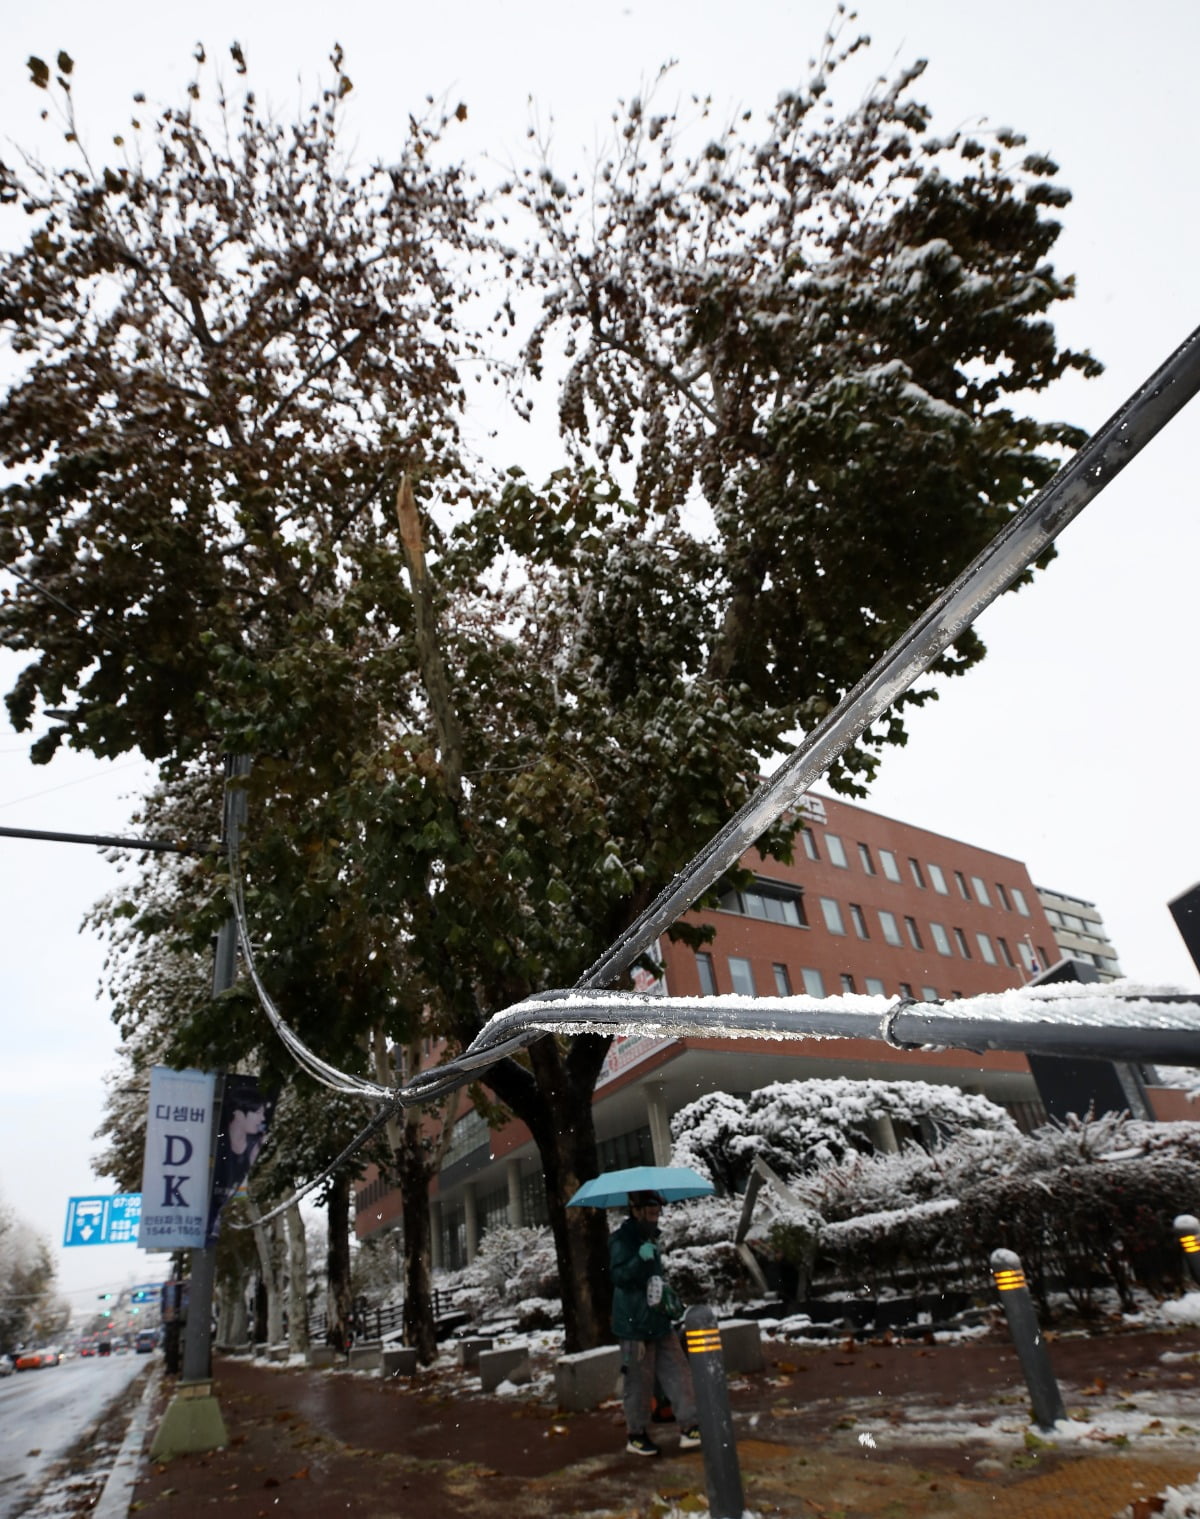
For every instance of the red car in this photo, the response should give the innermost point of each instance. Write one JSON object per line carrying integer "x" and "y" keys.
{"x": 31, "y": 1360}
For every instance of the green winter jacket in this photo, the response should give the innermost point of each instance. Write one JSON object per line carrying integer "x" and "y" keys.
{"x": 632, "y": 1317}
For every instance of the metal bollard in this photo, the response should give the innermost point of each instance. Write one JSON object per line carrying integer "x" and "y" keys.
{"x": 1027, "y": 1337}
{"x": 1188, "y": 1229}
{"x": 722, "y": 1474}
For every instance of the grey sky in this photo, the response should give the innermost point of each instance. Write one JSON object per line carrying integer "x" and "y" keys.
{"x": 1071, "y": 747}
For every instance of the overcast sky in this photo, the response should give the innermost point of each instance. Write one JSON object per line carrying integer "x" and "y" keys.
{"x": 1072, "y": 747}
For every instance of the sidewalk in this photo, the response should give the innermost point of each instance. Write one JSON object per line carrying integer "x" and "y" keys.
{"x": 876, "y": 1430}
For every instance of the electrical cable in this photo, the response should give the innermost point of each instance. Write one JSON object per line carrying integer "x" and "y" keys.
{"x": 1016, "y": 546}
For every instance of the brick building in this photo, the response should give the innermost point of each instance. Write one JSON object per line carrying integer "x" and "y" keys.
{"x": 869, "y": 906}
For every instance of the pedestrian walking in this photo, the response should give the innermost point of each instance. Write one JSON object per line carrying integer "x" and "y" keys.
{"x": 645, "y": 1310}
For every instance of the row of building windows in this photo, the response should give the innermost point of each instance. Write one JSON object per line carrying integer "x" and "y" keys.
{"x": 1085, "y": 926}
{"x": 742, "y": 981}
{"x": 786, "y": 905}
{"x": 741, "y": 976}
{"x": 1009, "y": 897}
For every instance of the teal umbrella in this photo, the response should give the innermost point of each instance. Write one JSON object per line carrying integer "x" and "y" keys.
{"x": 612, "y": 1188}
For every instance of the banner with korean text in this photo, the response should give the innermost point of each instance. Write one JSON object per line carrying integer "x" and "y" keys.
{"x": 176, "y": 1169}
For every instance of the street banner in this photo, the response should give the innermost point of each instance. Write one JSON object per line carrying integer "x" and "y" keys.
{"x": 109, "y": 1220}
{"x": 245, "y": 1115}
{"x": 175, "y": 1171}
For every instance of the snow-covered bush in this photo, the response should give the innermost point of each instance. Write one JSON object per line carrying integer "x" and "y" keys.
{"x": 701, "y": 1261}
{"x": 704, "y": 1136}
{"x": 511, "y": 1265}
{"x": 798, "y": 1127}
{"x": 1084, "y": 1204}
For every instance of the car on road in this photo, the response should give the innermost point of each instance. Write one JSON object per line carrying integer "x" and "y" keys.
{"x": 32, "y": 1360}
{"x": 146, "y": 1341}
{"x": 6, "y": 1366}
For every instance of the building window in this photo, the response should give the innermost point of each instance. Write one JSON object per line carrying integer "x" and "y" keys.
{"x": 810, "y": 844}
{"x": 1026, "y": 955}
{"x": 633, "y": 1149}
{"x": 888, "y": 860}
{"x": 964, "y": 948}
{"x": 1045, "y": 957}
{"x": 918, "y": 878}
{"x": 960, "y": 881}
{"x": 847, "y": 981}
{"x": 493, "y": 1210}
{"x": 906, "y": 990}
{"x": 813, "y": 983}
{"x": 770, "y": 901}
{"x": 833, "y": 916}
{"x": 783, "y": 984}
{"x": 1003, "y": 895}
{"x": 1006, "y": 952}
{"x": 534, "y": 1209}
{"x": 704, "y": 969}
{"x": 874, "y": 987}
{"x": 941, "y": 941}
{"x": 470, "y": 1132}
{"x": 914, "y": 936}
{"x": 929, "y": 993}
{"x": 742, "y": 977}
{"x": 837, "y": 855}
{"x": 1018, "y": 897}
{"x": 981, "y": 892}
{"x": 858, "y": 918}
{"x": 864, "y": 855}
{"x": 891, "y": 930}
{"x": 939, "y": 880}
{"x": 985, "y": 948}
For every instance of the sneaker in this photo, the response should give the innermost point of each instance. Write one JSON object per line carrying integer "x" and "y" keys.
{"x": 689, "y": 1438}
{"x": 641, "y": 1445}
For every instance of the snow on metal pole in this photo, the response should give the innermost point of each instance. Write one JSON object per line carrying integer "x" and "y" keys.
{"x": 1027, "y": 1337}
{"x": 722, "y": 1472}
{"x": 1018, "y": 544}
{"x": 1187, "y": 1227}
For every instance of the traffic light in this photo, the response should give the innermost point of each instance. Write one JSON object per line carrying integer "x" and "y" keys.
{"x": 105, "y": 1297}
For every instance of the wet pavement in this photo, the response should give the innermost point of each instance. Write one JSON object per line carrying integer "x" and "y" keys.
{"x": 858, "y": 1430}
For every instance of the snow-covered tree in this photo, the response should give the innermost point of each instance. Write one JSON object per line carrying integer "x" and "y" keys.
{"x": 485, "y": 740}
{"x": 798, "y": 1127}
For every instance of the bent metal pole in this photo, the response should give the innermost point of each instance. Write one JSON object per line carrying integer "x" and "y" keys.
{"x": 1022, "y": 540}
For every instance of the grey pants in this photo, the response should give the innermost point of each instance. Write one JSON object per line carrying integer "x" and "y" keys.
{"x": 665, "y": 1359}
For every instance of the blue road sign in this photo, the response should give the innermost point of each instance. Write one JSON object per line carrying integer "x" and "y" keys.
{"x": 103, "y": 1220}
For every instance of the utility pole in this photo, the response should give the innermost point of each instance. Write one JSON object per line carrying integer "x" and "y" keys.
{"x": 193, "y": 1419}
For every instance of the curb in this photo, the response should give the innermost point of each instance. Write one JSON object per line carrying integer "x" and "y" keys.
{"x": 114, "y": 1501}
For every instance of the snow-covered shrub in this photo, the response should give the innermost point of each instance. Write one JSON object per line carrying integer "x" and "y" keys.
{"x": 710, "y": 1273}
{"x": 699, "y": 1255}
{"x": 916, "y": 1246}
{"x": 703, "y": 1136}
{"x": 1084, "y": 1204}
{"x": 699, "y": 1221}
{"x": 511, "y": 1265}
{"x": 538, "y": 1313}
{"x": 798, "y": 1127}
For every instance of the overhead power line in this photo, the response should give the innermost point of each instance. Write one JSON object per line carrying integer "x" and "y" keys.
{"x": 1146, "y": 1027}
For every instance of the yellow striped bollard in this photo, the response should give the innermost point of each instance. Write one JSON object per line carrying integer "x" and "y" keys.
{"x": 1027, "y": 1338}
{"x": 722, "y": 1473}
{"x": 1187, "y": 1227}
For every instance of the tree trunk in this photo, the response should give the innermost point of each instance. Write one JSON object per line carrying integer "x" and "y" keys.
{"x": 413, "y": 1175}
{"x": 268, "y": 1237}
{"x": 556, "y": 1105}
{"x": 297, "y": 1281}
{"x": 339, "y": 1294}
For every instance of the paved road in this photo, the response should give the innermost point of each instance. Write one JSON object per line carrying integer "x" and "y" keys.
{"x": 44, "y": 1413}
